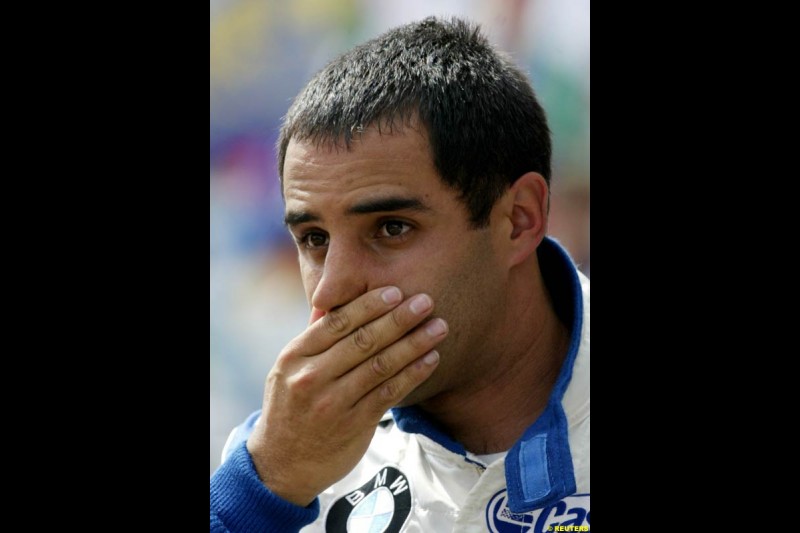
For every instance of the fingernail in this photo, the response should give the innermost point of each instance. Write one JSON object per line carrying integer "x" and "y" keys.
{"x": 391, "y": 295}
{"x": 420, "y": 303}
{"x": 431, "y": 357}
{"x": 436, "y": 327}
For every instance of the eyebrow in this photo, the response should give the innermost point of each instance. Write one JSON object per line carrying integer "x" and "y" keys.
{"x": 377, "y": 205}
{"x": 392, "y": 203}
{"x": 299, "y": 217}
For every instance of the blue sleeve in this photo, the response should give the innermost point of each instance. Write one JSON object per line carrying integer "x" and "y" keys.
{"x": 240, "y": 502}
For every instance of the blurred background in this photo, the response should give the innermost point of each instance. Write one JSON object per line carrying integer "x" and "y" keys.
{"x": 262, "y": 53}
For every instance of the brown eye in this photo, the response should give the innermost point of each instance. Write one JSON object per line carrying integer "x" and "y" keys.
{"x": 394, "y": 228}
{"x": 315, "y": 240}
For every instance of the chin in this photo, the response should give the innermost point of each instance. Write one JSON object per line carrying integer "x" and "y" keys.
{"x": 405, "y": 402}
{"x": 418, "y": 395}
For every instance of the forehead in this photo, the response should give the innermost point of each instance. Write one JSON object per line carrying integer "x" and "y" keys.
{"x": 375, "y": 162}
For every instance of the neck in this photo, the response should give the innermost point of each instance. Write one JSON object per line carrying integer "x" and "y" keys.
{"x": 509, "y": 386}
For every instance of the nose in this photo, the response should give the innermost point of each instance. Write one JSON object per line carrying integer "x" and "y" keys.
{"x": 343, "y": 278}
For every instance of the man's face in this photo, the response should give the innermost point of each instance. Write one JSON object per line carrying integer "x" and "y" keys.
{"x": 378, "y": 215}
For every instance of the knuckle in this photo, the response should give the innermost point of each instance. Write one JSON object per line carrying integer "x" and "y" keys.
{"x": 303, "y": 382}
{"x": 337, "y": 321}
{"x": 390, "y": 391}
{"x": 396, "y": 318}
{"x": 290, "y": 351}
{"x": 282, "y": 368}
{"x": 282, "y": 361}
{"x": 275, "y": 379}
{"x": 418, "y": 340}
{"x": 364, "y": 339}
{"x": 381, "y": 365}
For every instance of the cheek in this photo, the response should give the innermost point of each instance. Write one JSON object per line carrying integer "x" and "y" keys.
{"x": 470, "y": 288}
{"x": 453, "y": 297}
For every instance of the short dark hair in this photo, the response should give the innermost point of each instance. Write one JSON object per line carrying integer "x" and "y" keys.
{"x": 484, "y": 124}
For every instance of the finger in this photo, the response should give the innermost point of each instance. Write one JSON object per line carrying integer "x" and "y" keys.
{"x": 374, "y": 336}
{"x": 387, "y": 363}
{"x": 316, "y": 314}
{"x": 341, "y": 322}
{"x": 392, "y": 391}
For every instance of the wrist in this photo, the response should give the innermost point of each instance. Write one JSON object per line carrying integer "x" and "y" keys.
{"x": 288, "y": 486}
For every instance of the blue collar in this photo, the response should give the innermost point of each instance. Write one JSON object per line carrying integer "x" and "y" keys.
{"x": 539, "y": 466}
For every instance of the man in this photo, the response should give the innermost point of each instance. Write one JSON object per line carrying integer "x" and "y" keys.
{"x": 443, "y": 381}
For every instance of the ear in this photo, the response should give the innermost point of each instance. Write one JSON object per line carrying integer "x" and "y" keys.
{"x": 528, "y": 202}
